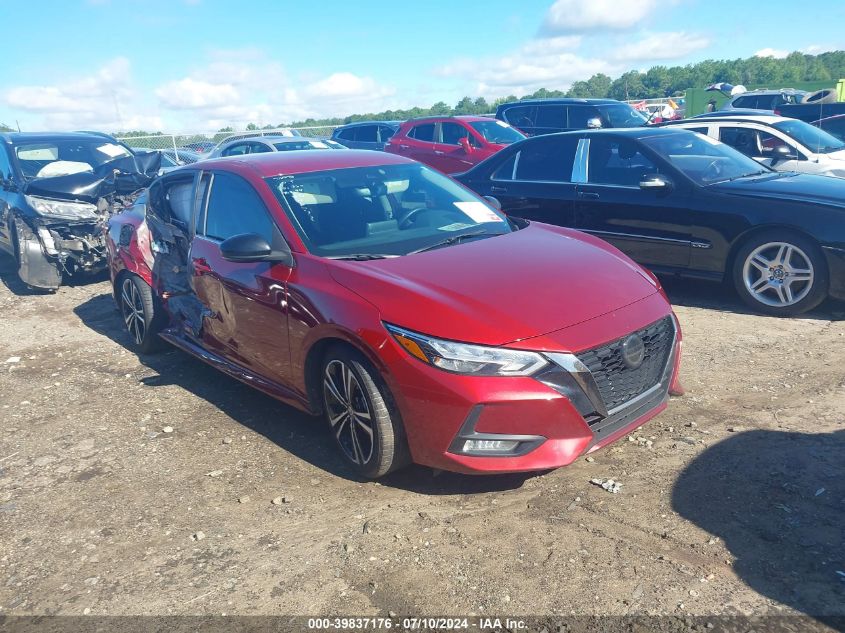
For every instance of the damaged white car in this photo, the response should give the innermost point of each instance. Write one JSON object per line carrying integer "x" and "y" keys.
{"x": 57, "y": 190}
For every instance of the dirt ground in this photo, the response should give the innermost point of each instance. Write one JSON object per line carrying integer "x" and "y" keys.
{"x": 144, "y": 486}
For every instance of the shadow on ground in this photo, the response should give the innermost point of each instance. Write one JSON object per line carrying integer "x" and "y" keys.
{"x": 777, "y": 500}
{"x": 10, "y": 279}
{"x": 298, "y": 433}
{"x": 696, "y": 293}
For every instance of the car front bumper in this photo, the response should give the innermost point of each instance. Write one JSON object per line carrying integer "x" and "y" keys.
{"x": 551, "y": 423}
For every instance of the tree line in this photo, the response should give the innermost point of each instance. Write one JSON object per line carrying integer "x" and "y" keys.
{"x": 658, "y": 81}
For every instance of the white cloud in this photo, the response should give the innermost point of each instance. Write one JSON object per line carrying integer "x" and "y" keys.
{"x": 195, "y": 94}
{"x": 580, "y": 16}
{"x": 106, "y": 99}
{"x": 812, "y": 49}
{"x": 540, "y": 63}
{"x": 777, "y": 53}
{"x": 661, "y": 46}
{"x": 236, "y": 87}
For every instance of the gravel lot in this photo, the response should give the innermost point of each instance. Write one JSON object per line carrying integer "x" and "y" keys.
{"x": 156, "y": 485}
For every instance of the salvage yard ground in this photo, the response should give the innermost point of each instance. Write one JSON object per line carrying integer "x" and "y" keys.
{"x": 146, "y": 486}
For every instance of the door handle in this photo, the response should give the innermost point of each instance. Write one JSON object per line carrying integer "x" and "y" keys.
{"x": 201, "y": 266}
{"x": 588, "y": 195}
{"x": 438, "y": 152}
{"x": 403, "y": 147}
{"x": 495, "y": 189}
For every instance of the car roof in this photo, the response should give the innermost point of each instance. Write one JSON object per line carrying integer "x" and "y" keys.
{"x": 770, "y": 91}
{"x": 284, "y": 139}
{"x": 627, "y": 132}
{"x": 559, "y": 100}
{"x": 20, "y": 137}
{"x": 449, "y": 117}
{"x": 767, "y": 119}
{"x": 357, "y": 123}
{"x": 271, "y": 164}
{"x": 830, "y": 118}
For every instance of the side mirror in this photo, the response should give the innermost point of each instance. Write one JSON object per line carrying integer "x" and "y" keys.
{"x": 465, "y": 144}
{"x": 655, "y": 182}
{"x": 594, "y": 123}
{"x": 494, "y": 201}
{"x": 781, "y": 152}
{"x": 247, "y": 247}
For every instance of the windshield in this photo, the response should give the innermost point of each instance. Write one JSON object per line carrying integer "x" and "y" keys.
{"x": 308, "y": 144}
{"x": 622, "y": 115}
{"x": 702, "y": 158}
{"x": 384, "y": 210}
{"x": 60, "y": 158}
{"x": 811, "y": 137}
{"x": 497, "y": 132}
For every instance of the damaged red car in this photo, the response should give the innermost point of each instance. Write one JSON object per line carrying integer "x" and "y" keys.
{"x": 417, "y": 319}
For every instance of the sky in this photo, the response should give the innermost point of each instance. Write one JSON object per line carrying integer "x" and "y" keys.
{"x": 198, "y": 65}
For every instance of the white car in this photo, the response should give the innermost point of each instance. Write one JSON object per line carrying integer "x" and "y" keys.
{"x": 777, "y": 142}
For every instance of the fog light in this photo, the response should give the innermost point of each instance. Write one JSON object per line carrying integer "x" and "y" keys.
{"x": 493, "y": 446}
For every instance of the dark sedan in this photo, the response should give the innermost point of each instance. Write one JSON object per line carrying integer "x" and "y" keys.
{"x": 682, "y": 203}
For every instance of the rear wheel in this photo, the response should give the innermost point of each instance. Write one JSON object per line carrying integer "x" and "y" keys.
{"x": 780, "y": 274}
{"x": 364, "y": 421}
{"x": 140, "y": 312}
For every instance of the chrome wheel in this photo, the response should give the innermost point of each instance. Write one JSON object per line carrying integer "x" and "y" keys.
{"x": 778, "y": 274}
{"x": 132, "y": 307}
{"x": 348, "y": 412}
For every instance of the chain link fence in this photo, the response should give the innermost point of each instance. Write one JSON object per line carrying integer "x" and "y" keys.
{"x": 204, "y": 142}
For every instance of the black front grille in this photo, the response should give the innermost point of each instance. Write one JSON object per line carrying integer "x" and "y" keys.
{"x": 617, "y": 382}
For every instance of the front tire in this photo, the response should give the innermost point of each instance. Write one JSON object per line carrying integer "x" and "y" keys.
{"x": 363, "y": 419}
{"x": 780, "y": 274}
{"x": 141, "y": 314}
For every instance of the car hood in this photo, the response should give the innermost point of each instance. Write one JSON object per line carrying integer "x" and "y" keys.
{"x": 789, "y": 186}
{"x": 500, "y": 289}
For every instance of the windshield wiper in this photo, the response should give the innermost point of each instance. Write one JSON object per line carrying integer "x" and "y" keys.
{"x": 361, "y": 257}
{"x": 452, "y": 240}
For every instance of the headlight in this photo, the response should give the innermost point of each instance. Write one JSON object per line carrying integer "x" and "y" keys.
{"x": 62, "y": 208}
{"x": 463, "y": 358}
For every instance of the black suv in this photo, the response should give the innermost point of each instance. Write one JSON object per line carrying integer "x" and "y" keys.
{"x": 546, "y": 116}
{"x": 56, "y": 191}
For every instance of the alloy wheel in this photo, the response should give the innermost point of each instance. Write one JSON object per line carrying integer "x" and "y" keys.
{"x": 778, "y": 274}
{"x": 133, "y": 310}
{"x": 348, "y": 411}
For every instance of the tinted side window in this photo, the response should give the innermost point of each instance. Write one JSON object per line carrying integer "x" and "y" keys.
{"x": 745, "y": 140}
{"x": 451, "y": 132}
{"x": 366, "y": 134}
{"x": 547, "y": 159}
{"x": 347, "y": 134}
{"x": 238, "y": 149}
{"x": 746, "y": 102}
{"x": 234, "y": 207}
{"x": 700, "y": 130}
{"x": 521, "y": 116}
{"x": 385, "y": 133}
{"x": 617, "y": 162}
{"x": 423, "y": 132}
{"x": 551, "y": 116}
{"x": 579, "y": 115}
{"x": 258, "y": 148}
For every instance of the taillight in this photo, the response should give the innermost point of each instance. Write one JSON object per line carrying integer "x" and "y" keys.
{"x": 777, "y": 112}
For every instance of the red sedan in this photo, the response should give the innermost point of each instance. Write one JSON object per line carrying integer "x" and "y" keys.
{"x": 418, "y": 320}
{"x": 452, "y": 144}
